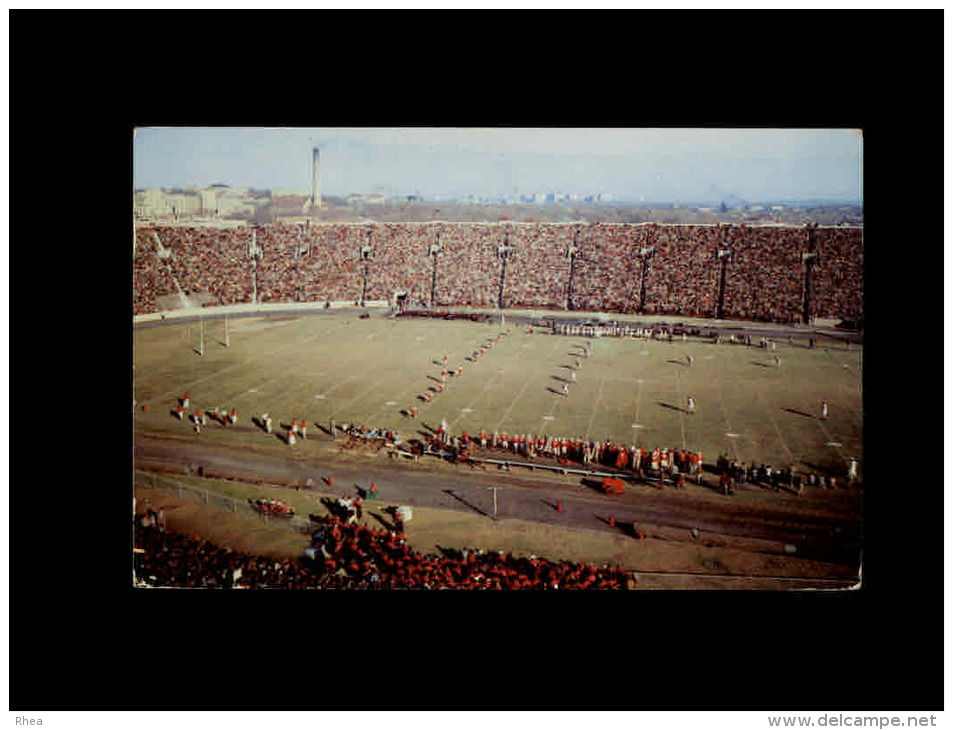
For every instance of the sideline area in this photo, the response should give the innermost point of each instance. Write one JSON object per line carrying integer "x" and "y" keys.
{"x": 661, "y": 560}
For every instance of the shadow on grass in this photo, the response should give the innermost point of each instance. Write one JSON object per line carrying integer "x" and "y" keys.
{"x": 796, "y": 412}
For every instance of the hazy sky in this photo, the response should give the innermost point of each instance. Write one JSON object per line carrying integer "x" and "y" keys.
{"x": 655, "y": 165}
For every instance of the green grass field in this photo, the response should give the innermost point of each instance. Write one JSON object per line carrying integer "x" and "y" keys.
{"x": 632, "y": 391}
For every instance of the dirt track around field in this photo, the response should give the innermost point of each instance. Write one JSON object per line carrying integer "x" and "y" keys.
{"x": 452, "y": 510}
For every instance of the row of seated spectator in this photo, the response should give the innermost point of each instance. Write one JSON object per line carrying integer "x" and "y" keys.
{"x": 764, "y": 277}
{"x": 354, "y": 556}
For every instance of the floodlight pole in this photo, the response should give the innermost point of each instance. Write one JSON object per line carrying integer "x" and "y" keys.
{"x": 504, "y": 253}
{"x": 365, "y": 256}
{"x": 724, "y": 255}
{"x": 434, "y": 250}
{"x": 809, "y": 258}
{"x": 645, "y": 253}
{"x": 573, "y": 249}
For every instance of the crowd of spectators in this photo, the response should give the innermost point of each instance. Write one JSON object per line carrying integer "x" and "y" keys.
{"x": 176, "y": 560}
{"x": 150, "y": 275}
{"x": 211, "y": 261}
{"x": 840, "y": 266}
{"x": 351, "y": 555}
{"x": 764, "y": 276}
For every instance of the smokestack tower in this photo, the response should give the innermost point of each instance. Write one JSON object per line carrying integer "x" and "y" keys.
{"x": 316, "y": 177}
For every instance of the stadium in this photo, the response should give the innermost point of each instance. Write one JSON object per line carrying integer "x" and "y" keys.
{"x": 500, "y": 405}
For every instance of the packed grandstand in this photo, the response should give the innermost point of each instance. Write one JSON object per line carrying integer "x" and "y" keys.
{"x": 678, "y": 267}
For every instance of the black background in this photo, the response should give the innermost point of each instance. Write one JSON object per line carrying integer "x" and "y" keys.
{"x": 82, "y": 639}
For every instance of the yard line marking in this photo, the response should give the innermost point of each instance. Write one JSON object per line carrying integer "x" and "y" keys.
{"x": 255, "y": 354}
{"x": 853, "y": 413}
{"x": 638, "y": 400}
{"x": 774, "y": 425}
{"x": 492, "y": 381}
{"x": 681, "y": 413}
{"x": 411, "y": 391}
{"x": 724, "y": 411}
{"x": 555, "y": 346}
{"x": 829, "y": 439}
{"x": 343, "y": 407}
{"x": 263, "y": 352}
{"x": 468, "y": 409}
{"x": 595, "y": 408}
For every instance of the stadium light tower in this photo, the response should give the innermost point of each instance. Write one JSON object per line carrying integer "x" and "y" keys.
{"x": 433, "y": 251}
{"x": 571, "y": 254}
{"x": 366, "y": 252}
{"x": 809, "y": 259}
{"x": 503, "y": 252}
{"x": 724, "y": 256}
{"x": 645, "y": 253}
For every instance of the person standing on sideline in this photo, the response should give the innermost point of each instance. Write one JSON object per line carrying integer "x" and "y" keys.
{"x": 691, "y": 404}
{"x": 331, "y": 427}
{"x": 824, "y": 410}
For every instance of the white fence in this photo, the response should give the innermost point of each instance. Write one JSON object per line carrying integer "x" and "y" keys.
{"x": 222, "y": 502}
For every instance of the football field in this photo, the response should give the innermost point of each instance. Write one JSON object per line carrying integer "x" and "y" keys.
{"x": 632, "y": 391}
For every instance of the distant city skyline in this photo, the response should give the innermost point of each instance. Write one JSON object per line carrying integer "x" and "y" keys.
{"x": 690, "y": 165}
